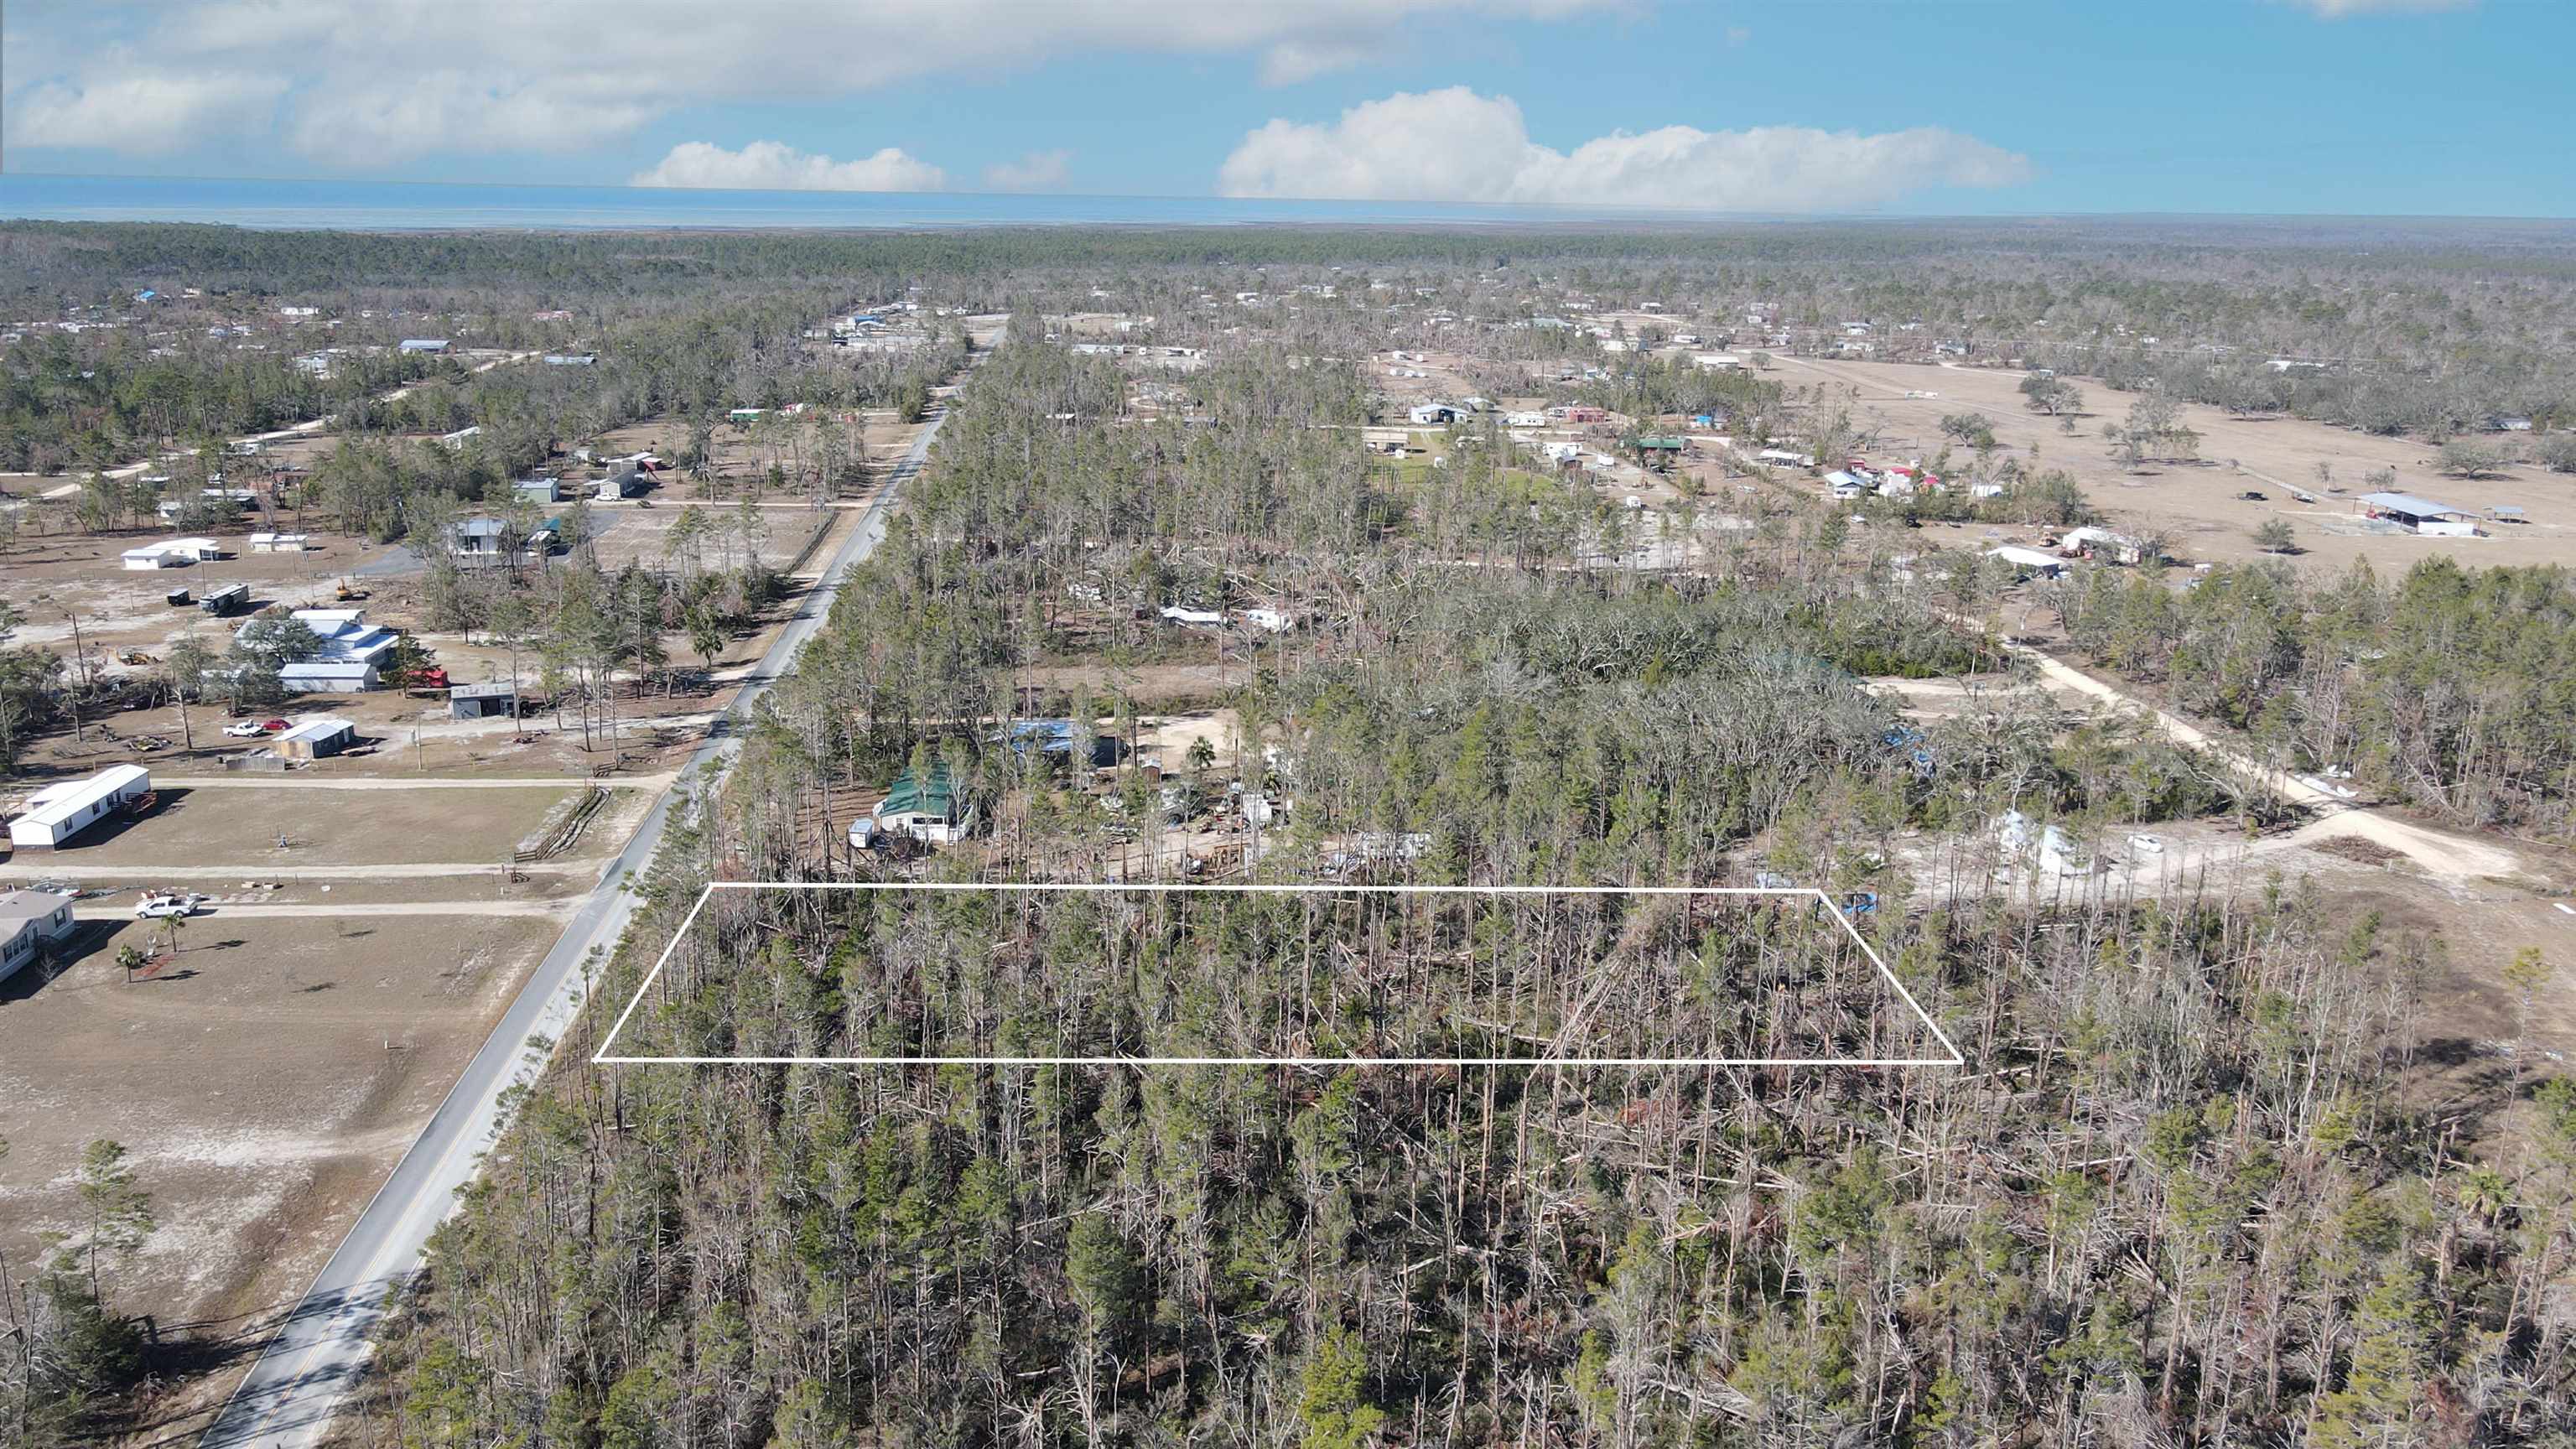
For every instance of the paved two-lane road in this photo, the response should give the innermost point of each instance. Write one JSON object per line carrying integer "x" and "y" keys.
{"x": 288, "y": 1398}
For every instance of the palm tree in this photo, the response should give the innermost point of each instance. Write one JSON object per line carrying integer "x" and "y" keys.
{"x": 2485, "y": 1193}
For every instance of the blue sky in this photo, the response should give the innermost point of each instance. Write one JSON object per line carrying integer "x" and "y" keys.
{"x": 1922, "y": 106}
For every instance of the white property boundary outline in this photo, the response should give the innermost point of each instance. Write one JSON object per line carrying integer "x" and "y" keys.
{"x": 1954, "y": 1059}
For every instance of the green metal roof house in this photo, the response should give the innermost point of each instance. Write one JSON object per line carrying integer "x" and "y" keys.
{"x": 933, "y": 812}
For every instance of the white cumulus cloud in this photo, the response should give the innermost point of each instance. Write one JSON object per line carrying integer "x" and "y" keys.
{"x": 776, "y": 166}
{"x": 1037, "y": 171}
{"x": 358, "y": 125}
{"x": 1456, "y": 145}
{"x": 378, "y": 82}
{"x": 141, "y": 109}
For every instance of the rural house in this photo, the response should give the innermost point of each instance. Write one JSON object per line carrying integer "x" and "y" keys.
{"x": 933, "y": 813}
{"x": 29, "y": 922}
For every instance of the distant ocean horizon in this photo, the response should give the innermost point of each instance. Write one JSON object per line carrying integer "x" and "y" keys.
{"x": 393, "y": 206}
{"x": 431, "y": 206}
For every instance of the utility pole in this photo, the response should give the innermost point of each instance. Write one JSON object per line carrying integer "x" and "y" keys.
{"x": 80, "y": 666}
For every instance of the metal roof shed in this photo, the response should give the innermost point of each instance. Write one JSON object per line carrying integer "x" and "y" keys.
{"x": 496, "y": 700}
{"x": 2424, "y": 515}
{"x": 326, "y": 676}
{"x": 316, "y": 739}
{"x": 2410, "y": 506}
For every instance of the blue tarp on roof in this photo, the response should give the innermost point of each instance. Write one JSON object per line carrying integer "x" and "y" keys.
{"x": 1058, "y": 737}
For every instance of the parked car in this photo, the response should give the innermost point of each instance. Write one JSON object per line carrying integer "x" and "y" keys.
{"x": 166, "y": 904}
{"x": 273, "y": 726}
{"x": 247, "y": 729}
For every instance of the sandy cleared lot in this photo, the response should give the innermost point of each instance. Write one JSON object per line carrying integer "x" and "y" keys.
{"x": 264, "y": 1083}
{"x": 743, "y": 454}
{"x": 2482, "y": 900}
{"x": 267, "y": 1076}
{"x": 654, "y": 733}
{"x": 1143, "y": 683}
{"x": 392, "y": 827}
{"x": 2196, "y": 507}
{"x": 780, "y": 529}
{"x": 53, "y": 577}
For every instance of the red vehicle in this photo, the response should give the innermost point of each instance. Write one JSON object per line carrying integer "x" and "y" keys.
{"x": 274, "y": 725}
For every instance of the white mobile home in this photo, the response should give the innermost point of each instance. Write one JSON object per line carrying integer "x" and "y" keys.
{"x": 2028, "y": 561}
{"x": 237, "y": 499}
{"x": 57, "y": 813}
{"x": 2101, "y": 543}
